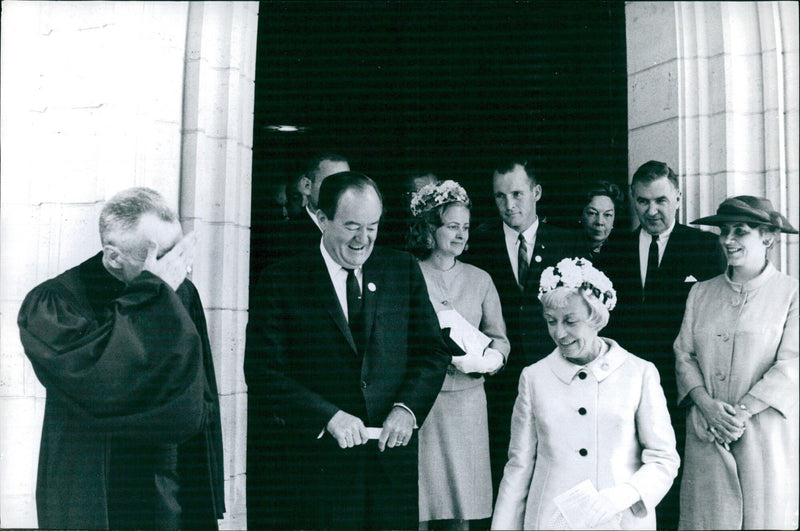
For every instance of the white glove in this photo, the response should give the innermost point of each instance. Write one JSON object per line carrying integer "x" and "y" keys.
{"x": 610, "y": 502}
{"x": 487, "y": 362}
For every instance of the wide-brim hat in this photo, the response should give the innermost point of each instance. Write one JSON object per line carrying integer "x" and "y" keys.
{"x": 747, "y": 209}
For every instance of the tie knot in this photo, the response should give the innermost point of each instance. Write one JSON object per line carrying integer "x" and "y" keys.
{"x": 655, "y": 237}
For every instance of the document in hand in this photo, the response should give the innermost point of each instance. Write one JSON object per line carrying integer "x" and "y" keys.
{"x": 467, "y": 337}
{"x": 577, "y": 507}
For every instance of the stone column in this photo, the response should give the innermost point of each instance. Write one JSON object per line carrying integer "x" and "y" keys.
{"x": 215, "y": 184}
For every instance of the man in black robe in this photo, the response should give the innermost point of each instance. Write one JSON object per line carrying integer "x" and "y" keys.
{"x": 131, "y": 435}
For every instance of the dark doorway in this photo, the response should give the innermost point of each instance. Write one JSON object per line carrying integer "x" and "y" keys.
{"x": 444, "y": 86}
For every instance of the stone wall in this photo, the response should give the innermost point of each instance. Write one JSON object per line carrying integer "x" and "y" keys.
{"x": 101, "y": 96}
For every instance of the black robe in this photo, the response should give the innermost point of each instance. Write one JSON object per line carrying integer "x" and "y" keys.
{"x": 130, "y": 389}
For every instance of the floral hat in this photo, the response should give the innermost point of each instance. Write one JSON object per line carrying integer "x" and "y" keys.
{"x": 581, "y": 274}
{"x": 433, "y": 195}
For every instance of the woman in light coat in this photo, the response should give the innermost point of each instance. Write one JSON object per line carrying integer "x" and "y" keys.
{"x": 455, "y": 481}
{"x": 590, "y": 411}
{"x": 737, "y": 367}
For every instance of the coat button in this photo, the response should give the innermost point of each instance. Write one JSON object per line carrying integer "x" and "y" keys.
{"x": 583, "y": 452}
{"x": 725, "y": 336}
{"x": 363, "y": 384}
{"x": 582, "y": 411}
{"x": 582, "y": 375}
{"x": 721, "y": 377}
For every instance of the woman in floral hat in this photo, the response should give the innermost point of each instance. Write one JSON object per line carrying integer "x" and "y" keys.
{"x": 591, "y": 441}
{"x": 736, "y": 360}
{"x": 455, "y": 483}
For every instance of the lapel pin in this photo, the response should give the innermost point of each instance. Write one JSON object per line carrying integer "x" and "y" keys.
{"x": 371, "y": 287}
{"x": 537, "y": 258}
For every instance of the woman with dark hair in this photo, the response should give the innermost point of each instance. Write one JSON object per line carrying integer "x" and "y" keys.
{"x": 455, "y": 483}
{"x": 737, "y": 368}
{"x": 603, "y": 200}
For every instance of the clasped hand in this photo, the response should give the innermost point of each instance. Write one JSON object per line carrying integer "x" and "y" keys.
{"x": 173, "y": 267}
{"x": 349, "y": 430}
{"x": 725, "y": 422}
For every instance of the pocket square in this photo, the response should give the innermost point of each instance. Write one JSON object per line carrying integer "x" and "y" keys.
{"x": 690, "y": 278}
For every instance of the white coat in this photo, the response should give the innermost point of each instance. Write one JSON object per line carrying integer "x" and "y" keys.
{"x": 606, "y": 422}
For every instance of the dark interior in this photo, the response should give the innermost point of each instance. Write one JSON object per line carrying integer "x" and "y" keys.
{"x": 445, "y": 87}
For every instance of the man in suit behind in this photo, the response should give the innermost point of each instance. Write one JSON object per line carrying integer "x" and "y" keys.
{"x": 652, "y": 269}
{"x": 279, "y": 239}
{"x": 514, "y": 253}
{"x": 342, "y": 339}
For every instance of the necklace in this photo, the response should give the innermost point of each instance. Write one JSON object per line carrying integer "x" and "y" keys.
{"x": 441, "y": 281}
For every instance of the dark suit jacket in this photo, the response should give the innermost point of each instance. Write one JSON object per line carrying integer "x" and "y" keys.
{"x": 527, "y": 331}
{"x": 648, "y": 328}
{"x": 303, "y": 365}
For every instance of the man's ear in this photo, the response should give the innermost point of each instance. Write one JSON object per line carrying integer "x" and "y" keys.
{"x": 305, "y": 185}
{"x": 537, "y": 192}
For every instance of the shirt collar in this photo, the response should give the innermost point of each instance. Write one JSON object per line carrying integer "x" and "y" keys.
{"x": 753, "y": 283}
{"x": 313, "y": 216}
{"x": 334, "y": 268}
{"x": 600, "y": 368}
{"x": 663, "y": 237}
{"x": 529, "y": 234}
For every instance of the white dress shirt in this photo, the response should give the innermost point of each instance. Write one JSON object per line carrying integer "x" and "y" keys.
{"x": 512, "y": 243}
{"x": 338, "y": 276}
{"x": 644, "y": 248}
{"x": 313, "y": 216}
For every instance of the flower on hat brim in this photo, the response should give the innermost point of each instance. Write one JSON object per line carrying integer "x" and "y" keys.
{"x": 436, "y": 194}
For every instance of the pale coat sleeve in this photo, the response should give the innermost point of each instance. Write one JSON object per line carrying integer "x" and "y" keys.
{"x": 660, "y": 459}
{"x": 777, "y": 388}
{"x": 687, "y": 368}
{"x": 509, "y": 511}
{"x": 492, "y": 323}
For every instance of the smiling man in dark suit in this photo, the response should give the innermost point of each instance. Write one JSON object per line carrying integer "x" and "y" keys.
{"x": 344, "y": 346}
{"x": 653, "y": 268}
{"x": 514, "y": 253}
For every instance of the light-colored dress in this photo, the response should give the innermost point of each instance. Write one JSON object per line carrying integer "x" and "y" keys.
{"x": 606, "y": 422}
{"x": 740, "y": 342}
{"x": 455, "y": 478}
